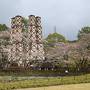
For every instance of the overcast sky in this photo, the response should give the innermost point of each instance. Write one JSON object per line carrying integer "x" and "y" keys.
{"x": 67, "y": 15}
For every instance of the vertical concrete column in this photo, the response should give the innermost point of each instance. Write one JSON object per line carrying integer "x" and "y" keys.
{"x": 32, "y": 52}
{"x": 16, "y": 49}
{"x": 39, "y": 39}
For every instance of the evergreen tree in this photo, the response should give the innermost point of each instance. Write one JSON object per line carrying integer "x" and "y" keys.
{"x": 3, "y": 27}
{"x": 83, "y": 31}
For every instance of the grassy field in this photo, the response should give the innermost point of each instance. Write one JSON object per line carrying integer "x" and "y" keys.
{"x": 22, "y": 82}
{"x": 63, "y": 87}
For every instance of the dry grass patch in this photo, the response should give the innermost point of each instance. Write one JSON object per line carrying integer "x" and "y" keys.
{"x": 63, "y": 87}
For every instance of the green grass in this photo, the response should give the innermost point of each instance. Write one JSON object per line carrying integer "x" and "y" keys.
{"x": 40, "y": 82}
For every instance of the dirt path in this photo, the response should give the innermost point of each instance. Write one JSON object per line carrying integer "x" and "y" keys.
{"x": 63, "y": 87}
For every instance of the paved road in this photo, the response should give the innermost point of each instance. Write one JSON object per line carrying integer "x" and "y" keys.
{"x": 63, "y": 87}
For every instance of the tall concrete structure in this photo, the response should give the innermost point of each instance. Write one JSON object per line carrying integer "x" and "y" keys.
{"x": 36, "y": 51}
{"x": 32, "y": 50}
{"x": 16, "y": 49}
{"x": 39, "y": 39}
{"x": 23, "y": 49}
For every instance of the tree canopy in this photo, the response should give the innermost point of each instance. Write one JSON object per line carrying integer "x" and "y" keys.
{"x": 3, "y": 27}
{"x": 55, "y": 37}
{"x": 84, "y": 30}
{"x": 25, "y": 22}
